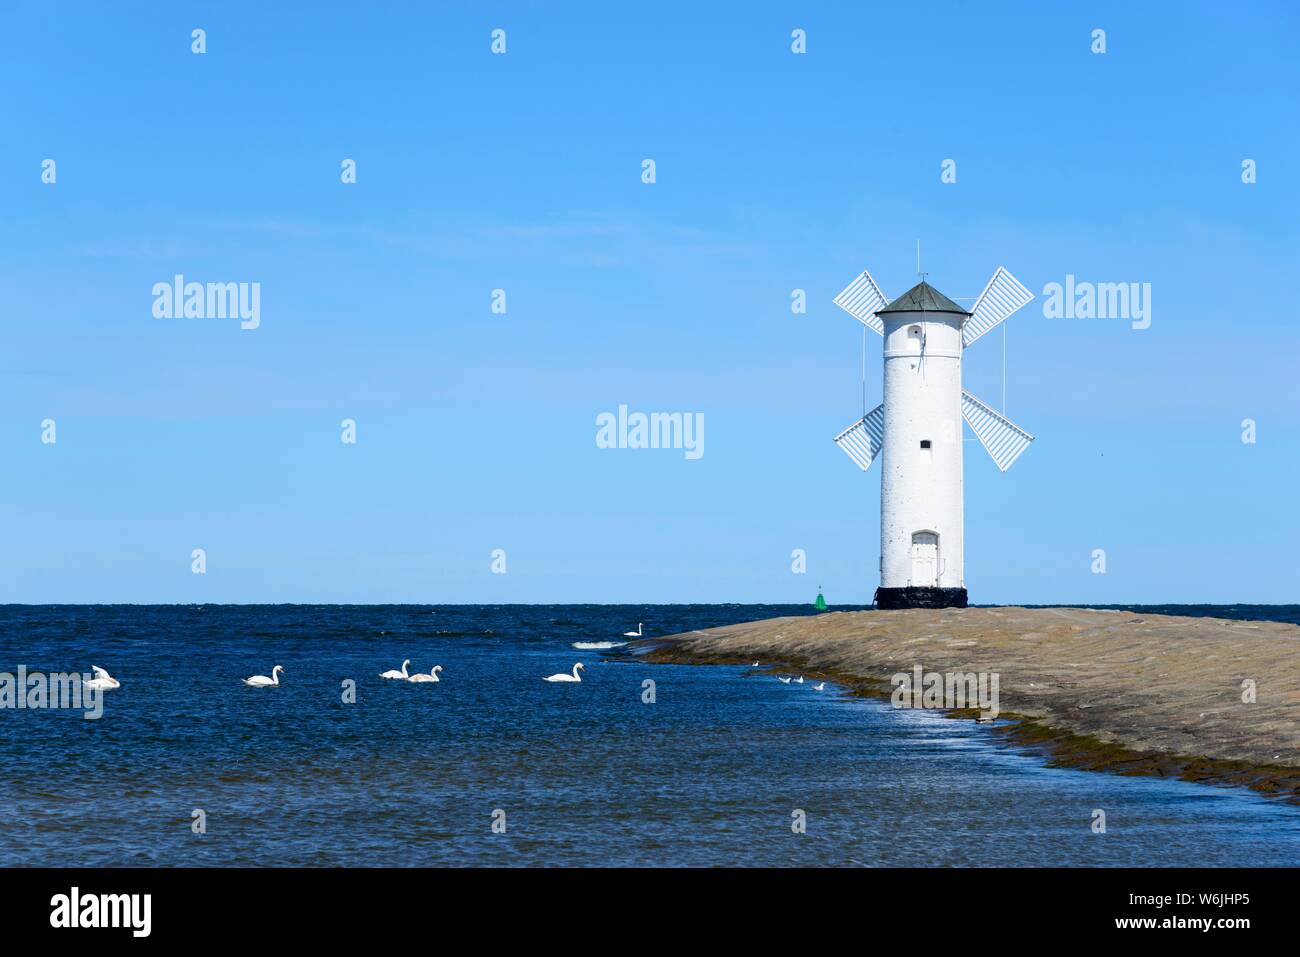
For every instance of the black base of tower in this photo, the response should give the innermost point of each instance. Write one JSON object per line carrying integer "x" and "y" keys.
{"x": 920, "y": 597}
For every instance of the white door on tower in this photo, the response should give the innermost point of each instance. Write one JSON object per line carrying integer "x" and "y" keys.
{"x": 925, "y": 559}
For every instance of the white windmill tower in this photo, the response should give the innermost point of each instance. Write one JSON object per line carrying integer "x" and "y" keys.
{"x": 916, "y": 431}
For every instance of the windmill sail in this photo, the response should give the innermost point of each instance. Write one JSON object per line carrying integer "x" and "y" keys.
{"x": 1003, "y": 440}
{"x": 862, "y": 441}
{"x": 1001, "y": 297}
{"x": 862, "y": 299}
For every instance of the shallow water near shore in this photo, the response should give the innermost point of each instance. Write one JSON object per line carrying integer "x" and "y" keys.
{"x": 586, "y": 774}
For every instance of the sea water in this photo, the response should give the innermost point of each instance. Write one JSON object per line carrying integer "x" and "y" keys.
{"x": 720, "y": 765}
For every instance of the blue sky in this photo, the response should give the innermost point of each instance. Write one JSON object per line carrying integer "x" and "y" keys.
{"x": 775, "y": 171}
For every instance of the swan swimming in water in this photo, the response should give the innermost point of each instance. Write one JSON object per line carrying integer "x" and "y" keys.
{"x": 633, "y": 634}
{"x": 102, "y": 681}
{"x": 567, "y": 677}
{"x": 402, "y": 675}
{"x": 262, "y": 681}
{"x": 799, "y": 680}
{"x": 784, "y": 681}
{"x": 431, "y": 676}
{"x": 820, "y": 687}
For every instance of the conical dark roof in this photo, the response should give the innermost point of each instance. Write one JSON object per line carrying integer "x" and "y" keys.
{"x": 923, "y": 298}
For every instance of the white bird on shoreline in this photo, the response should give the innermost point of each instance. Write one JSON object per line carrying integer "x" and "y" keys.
{"x": 784, "y": 681}
{"x": 633, "y": 634}
{"x": 262, "y": 681}
{"x": 431, "y": 676}
{"x": 567, "y": 677}
{"x": 820, "y": 687}
{"x": 394, "y": 674}
{"x": 102, "y": 681}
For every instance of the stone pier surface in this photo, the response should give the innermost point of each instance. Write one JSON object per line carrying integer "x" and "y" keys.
{"x": 1109, "y": 690}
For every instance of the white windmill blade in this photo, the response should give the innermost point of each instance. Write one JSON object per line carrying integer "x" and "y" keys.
{"x": 863, "y": 440}
{"x": 1002, "y": 439}
{"x": 862, "y": 299}
{"x": 1001, "y": 297}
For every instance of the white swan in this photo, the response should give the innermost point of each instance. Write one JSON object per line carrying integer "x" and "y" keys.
{"x": 754, "y": 665}
{"x": 784, "y": 681}
{"x": 799, "y": 680}
{"x": 567, "y": 677}
{"x": 820, "y": 687}
{"x": 402, "y": 675}
{"x": 431, "y": 676}
{"x": 262, "y": 681}
{"x": 633, "y": 634}
{"x": 102, "y": 681}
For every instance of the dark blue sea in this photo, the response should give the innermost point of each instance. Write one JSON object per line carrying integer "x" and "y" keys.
{"x": 711, "y": 773}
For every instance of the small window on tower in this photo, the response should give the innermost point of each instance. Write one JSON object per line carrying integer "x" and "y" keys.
{"x": 914, "y": 339}
{"x": 925, "y": 443}
{"x": 925, "y": 452}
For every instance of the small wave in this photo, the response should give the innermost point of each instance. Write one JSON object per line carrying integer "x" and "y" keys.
{"x": 589, "y": 645}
